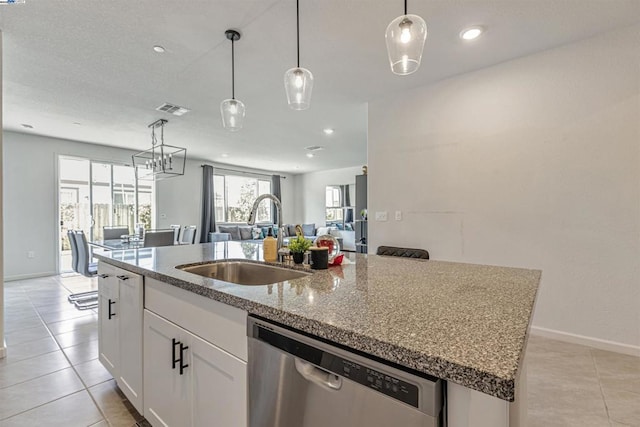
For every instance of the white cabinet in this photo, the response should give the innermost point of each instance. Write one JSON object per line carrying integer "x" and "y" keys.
{"x": 195, "y": 352}
{"x": 120, "y": 294}
{"x": 188, "y": 381}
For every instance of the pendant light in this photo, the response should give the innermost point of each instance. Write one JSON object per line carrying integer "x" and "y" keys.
{"x": 298, "y": 82}
{"x": 232, "y": 110}
{"x": 405, "y": 41}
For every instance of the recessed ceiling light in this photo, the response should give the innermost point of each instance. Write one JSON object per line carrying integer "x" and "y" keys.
{"x": 471, "y": 33}
{"x": 224, "y": 155}
{"x": 310, "y": 155}
{"x": 328, "y": 131}
{"x": 26, "y": 126}
{"x": 77, "y": 123}
{"x": 158, "y": 49}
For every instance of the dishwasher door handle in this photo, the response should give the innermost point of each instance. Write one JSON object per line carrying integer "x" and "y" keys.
{"x": 312, "y": 373}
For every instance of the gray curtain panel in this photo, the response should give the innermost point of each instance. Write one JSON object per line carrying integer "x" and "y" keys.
{"x": 348, "y": 215}
{"x": 208, "y": 209}
{"x": 275, "y": 190}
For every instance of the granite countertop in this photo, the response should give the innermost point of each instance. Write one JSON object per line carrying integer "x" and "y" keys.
{"x": 464, "y": 323}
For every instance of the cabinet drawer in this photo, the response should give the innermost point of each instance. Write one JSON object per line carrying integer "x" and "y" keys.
{"x": 213, "y": 321}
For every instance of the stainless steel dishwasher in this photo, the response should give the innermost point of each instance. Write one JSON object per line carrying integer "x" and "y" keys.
{"x": 298, "y": 381}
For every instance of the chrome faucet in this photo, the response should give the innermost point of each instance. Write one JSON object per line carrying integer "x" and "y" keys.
{"x": 254, "y": 210}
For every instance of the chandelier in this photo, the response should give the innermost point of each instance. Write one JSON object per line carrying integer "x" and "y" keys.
{"x": 161, "y": 161}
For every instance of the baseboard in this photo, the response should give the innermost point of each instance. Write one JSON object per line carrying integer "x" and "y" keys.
{"x": 588, "y": 341}
{"x": 29, "y": 276}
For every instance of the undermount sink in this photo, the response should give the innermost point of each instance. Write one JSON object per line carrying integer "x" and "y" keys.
{"x": 244, "y": 273}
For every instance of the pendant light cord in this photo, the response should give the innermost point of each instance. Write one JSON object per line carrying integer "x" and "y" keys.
{"x": 405, "y": 7}
{"x": 298, "y": 28}
{"x": 233, "y": 71}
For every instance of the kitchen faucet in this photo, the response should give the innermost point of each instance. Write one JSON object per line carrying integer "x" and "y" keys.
{"x": 254, "y": 210}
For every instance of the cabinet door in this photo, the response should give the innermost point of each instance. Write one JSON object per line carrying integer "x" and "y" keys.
{"x": 166, "y": 392}
{"x": 219, "y": 386}
{"x": 130, "y": 337}
{"x": 108, "y": 315}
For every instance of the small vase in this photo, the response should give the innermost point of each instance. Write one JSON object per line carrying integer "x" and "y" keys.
{"x": 298, "y": 257}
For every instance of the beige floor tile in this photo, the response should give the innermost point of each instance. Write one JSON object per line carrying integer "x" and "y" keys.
{"x": 78, "y": 336}
{"x": 618, "y": 371}
{"x": 92, "y": 372}
{"x": 20, "y": 324}
{"x": 75, "y": 410}
{"x": 29, "y": 349}
{"x": 26, "y": 335}
{"x": 113, "y": 404}
{"x": 28, "y": 369}
{"x": 623, "y": 406}
{"x": 102, "y": 423}
{"x": 30, "y": 394}
{"x": 73, "y": 324}
{"x": 82, "y": 352}
{"x": 64, "y": 315}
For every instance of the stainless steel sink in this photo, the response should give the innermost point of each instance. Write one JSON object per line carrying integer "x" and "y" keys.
{"x": 244, "y": 273}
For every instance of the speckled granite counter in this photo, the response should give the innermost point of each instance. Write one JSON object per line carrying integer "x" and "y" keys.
{"x": 464, "y": 323}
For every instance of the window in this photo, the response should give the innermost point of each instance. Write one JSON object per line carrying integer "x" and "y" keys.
{"x": 334, "y": 211}
{"x": 234, "y": 196}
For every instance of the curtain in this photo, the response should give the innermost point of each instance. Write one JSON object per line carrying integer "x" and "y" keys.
{"x": 208, "y": 208}
{"x": 275, "y": 190}
{"x": 348, "y": 216}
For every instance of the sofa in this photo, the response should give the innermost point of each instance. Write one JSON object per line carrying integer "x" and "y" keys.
{"x": 257, "y": 233}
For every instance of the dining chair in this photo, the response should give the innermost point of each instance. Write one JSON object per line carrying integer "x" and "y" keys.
{"x": 188, "y": 235}
{"x": 154, "y": 238}
{"x": 402, "y": 252}
{"x": 114, "y": 232}
{"x": 85, "y": 266}
{"x": 176, "y": 230}
{"x": 74, "y": 250}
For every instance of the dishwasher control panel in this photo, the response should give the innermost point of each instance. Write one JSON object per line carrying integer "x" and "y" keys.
{"x": 386, "y": 384}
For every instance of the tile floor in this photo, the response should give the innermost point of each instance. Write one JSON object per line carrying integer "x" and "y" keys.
{"x": 52, "y": 375}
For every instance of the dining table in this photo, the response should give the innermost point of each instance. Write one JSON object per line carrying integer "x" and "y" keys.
{"x": 118, "y": 244}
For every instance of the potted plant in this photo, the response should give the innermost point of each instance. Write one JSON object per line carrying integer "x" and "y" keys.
{"x": 298, "y": 247}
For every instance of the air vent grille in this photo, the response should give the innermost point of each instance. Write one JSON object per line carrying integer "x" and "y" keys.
{"x": 176, "y": 110}
{"x": 314, "y": 148}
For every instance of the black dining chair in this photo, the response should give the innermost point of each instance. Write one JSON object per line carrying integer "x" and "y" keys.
{"x": 112, "y": 233}
{"x": 153, "y": 238}
{"x": 74, "y": 250}
{"x": 402, "y": 252}
{"x": 85, "y": 266}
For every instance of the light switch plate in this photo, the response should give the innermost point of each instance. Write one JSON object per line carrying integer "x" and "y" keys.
{"x": 381, "y": 216}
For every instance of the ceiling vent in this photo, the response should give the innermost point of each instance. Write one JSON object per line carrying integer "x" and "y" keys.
{"x": 313, "y": 148}
{"x": 173, "y": 109}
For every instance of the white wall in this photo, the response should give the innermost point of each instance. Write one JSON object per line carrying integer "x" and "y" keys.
{"x": 310, "y": 190}
{"x": 30, "y": 198}
{"x": 531, "y": 163}
{"x": 180, "y": 199}
{"x": 2, "y": 343}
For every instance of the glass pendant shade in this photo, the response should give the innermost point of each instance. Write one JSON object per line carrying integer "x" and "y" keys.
{"x": 405, "y": 41}
{"x": 232, "y": 112}
{"x": 298, "y": 83}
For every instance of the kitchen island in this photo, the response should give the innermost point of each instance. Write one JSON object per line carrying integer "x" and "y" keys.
{"x": 464, "y": 323}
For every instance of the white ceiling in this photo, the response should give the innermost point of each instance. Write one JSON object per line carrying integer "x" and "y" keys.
{"x": 85, "y": 69}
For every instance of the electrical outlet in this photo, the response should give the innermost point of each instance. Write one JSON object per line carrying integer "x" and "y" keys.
{"x": 381, "y": 216}
{"x": 163, "y": 216}
{"x": 31, "y": 254}
{"x": 398, "y": 215}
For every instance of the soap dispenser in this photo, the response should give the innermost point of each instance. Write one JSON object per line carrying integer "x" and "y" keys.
{"x": 270, "y": 247}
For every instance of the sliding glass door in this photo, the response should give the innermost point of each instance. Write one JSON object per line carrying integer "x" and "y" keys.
{"x": 93, "y": 195}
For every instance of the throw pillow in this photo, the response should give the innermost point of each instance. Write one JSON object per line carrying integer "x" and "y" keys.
{"x": 265, "y": 231}
{"x": 245, "y": 232}
{"x": 231, "y": 229}
{"x": 256, "y": 233}
{"x": 291, "y": 229}
{"x": 323, "y": 230}
{"x": 309, "y": 229}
